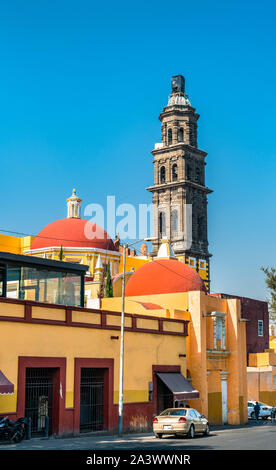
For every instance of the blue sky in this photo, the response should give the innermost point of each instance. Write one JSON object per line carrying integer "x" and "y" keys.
{"x": 82, "y": 84}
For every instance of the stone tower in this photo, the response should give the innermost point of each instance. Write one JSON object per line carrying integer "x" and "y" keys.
{"x": 179, "y": 193}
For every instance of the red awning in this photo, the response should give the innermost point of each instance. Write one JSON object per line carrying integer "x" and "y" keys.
{"x": 5, "y": 385}
{"x": 178, "y": 385}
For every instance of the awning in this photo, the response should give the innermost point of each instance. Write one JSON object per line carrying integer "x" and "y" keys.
{"x": 178, "y": 385}
{"x": 5, "y": 385}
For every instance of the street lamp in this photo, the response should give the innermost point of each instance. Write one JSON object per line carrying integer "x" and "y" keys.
{"x": 121, "y": 382}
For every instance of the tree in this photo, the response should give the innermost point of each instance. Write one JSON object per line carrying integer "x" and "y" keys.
{"x": 270, "y": 281}
{"x": 108, "y": 283}
{"x": 61, "y": 254}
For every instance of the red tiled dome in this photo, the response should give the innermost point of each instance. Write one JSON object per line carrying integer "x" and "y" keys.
{"x": 73, "y": 232}
{"x": 164, "y": 276}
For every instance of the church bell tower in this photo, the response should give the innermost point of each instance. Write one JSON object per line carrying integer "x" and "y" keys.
{"x": 179, "y": 193}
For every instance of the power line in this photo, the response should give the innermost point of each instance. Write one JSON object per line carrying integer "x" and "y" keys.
{"x": 82, "y": 241}
{"x": 166, "y": 267}
{"x": 107, "y": 238}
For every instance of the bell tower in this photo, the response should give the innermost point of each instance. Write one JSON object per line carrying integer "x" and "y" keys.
{"x": 179, "y": 193}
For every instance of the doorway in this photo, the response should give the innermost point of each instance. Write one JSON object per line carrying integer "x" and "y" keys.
{"x": 39, "y": 388}
{"x": 165, "y": 397}
{"x": 224, "y": 400}
{"x": 92, "y": 399}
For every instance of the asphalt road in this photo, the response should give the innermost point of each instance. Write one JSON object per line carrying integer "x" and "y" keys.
{"x": 254, "y": 436}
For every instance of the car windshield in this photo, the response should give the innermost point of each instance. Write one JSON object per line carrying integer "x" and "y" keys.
{"x": 179, "y": 412}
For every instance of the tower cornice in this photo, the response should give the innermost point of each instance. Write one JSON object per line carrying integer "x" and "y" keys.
{"x": 178, "y": 110}
{"x": 176, "y": 184}
{"x": 179, "y": 145}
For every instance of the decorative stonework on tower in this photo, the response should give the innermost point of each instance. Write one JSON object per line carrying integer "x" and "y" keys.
{"x": 179, "y": 193}
{"x": 74, "y": 206}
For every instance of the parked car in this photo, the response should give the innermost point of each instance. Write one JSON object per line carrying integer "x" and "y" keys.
{"x": 180, "y": 421}
{"x": 265, "y": 410}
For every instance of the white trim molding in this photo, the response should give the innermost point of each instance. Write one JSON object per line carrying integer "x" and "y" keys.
{"x": 72, "y": 249}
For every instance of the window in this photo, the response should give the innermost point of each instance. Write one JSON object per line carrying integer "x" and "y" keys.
{"x": 41, "y": 285}
{"x": 174, "y": 172}
{"x": 219, "y": 329}
{"x": 181, "y": 135}
{"x": 192, "y": 262}
{"x": 274, "y": 382}
{"x": 200, "y": 227}
{"x": 219, "y": 332}
{"x": 174, "y": 221}
{"x": 198, "y": 175}
{"x": 162, "y": 223}
{"x": 2, "y": 279}
{"x": 162, "y": 174}
{"x": 202, "y": 264}
{"x": 179, "y": 412}
{"x": 260, "y": 328}
{"x": 169, "y": 137}
{"x": 189, "y": 172}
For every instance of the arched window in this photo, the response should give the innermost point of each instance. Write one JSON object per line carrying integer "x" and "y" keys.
{"x": 162, "y": 174}
{"x": 181, "y": 134}
{"x": 198, "y": 175}
{"x": 169, "y": 137}
{"x": 189, "y": 172}
{"x": 200, "y": 228}
{"x": 174, "y": 172}
{"x": 162, "y": 223}
{"x": 174, "y": 222}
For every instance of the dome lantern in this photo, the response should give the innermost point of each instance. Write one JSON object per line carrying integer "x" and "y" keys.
{"x": 165, "y": 250}
{"x": 73, "y": 206}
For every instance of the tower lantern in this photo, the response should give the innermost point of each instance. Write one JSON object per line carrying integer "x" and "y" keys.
{"x": 179, "y": 193}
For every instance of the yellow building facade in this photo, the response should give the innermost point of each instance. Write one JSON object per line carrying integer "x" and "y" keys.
{"x": 261, "y": 372}
{"x": 215, "y": 346}
{"x": 67, "y": 343}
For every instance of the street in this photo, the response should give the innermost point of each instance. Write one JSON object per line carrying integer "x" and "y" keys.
{"x": 259, "y": 435}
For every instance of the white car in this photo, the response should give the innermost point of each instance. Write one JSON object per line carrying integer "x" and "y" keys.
{"x": 265, "y": 410}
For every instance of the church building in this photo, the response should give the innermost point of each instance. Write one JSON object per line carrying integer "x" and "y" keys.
{"x": 179, "y": 193}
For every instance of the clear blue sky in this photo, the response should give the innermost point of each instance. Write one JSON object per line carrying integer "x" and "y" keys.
{"x": 82, "y": 84}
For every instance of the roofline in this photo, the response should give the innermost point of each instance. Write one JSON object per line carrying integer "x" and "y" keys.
{"x": 6, "y": 258}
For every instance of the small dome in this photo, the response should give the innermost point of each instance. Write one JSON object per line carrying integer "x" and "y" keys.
{"x": 164, "y": 276}
{"x": 73, "y": 232}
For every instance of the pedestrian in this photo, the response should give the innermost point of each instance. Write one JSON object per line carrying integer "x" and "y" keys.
{"x": 257, "y": 410}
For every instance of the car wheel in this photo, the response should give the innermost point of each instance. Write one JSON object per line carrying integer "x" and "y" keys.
{"x": 207, "y": 430}
{"x": 253, "y": 416}
{"x": 191, "y": 433}
{"x": 158, "y": 435}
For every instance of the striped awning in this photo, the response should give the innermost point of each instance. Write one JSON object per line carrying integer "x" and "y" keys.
{"x": 5, "y": 385}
